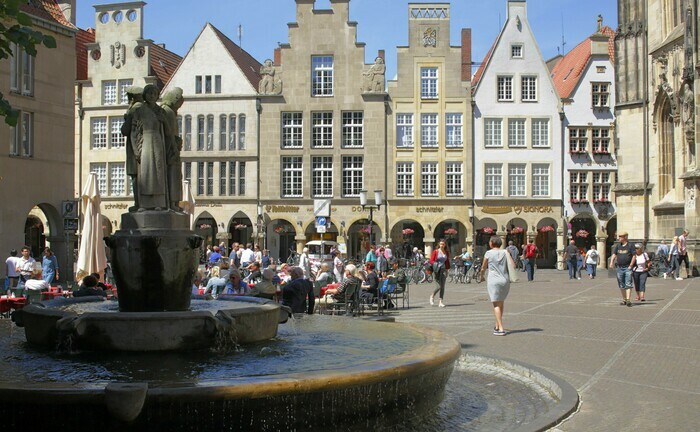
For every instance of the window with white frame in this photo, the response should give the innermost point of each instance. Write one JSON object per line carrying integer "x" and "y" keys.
{"x": 223, "y": 178}
{"x": 600, "y": 94}
{"x": 352, "y": 175}
{"x": 109, "y": 92}
{"x": 454, "y": 179}
{"x": 15, "y": 140}
{"x": 99, "y": 133}
{"x": 200, "y": 178}
{"x": 404, "y": 130}
{"x": 577, "y": 140}
{"x": 117, "y": 140}
{"x": 505, "y": 88}
{"x": 207, "y": 84}
{"x": 210, "y": 178}
{"x": 187, "y": 172}
{"x": 22, "y": 135}
{"x": 292, "y": 174}
{"x": 232, "y": 178}
{"x": 429, "y": 83}
{"x": 404, "y": 179}
{"x": 217, "y": 84}
{"x": 321, "y": 76}
{"x": 540, "y": 180}
{"x": 188, "y": 133}
{"x": 352, "y": 129}
{"x": 601, "y": 187}
{"x": 429, "y": 178}
{"x": 493, "y": 180}
{"x": 241, "y": 131}
{"x": 453, "y": 130}
{"x": 517, "y": 178}
{"x": 100, "y": 170}
{"x": 210, "y": 132}
{"x": 528, "y": 88}
{"x": 200, "y": 133}
{"x": 21, "y": 71}
{"x": 117, "y": 179}
{"x": 429, "y": 130}
{"x": 322, "y": 129}
{"x": 540, "y": 133}
{"x": 291, "y": 130}
{"x": 601, "y": 140}
{"x": 322, "y": 176}
{"x": 493, "y": 132}
{"x": 241, "y": 178}
{"x": 516, "y": 132}
{"x": 578, "y": 186}
{"x": 223, "y": 133}
{"x": 232, "y": 132}
{"x": 198, "y": 84}
{"x": 123, "y": 87}
{"x": 516, "y": 51}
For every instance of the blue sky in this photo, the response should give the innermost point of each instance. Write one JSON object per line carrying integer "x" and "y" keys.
{"x": 382, "y": 24}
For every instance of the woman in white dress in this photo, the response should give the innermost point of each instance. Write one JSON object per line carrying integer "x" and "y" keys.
{"x": 498, "y": 282}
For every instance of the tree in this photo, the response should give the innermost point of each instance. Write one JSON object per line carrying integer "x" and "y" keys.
{"x": 15, "y": 28}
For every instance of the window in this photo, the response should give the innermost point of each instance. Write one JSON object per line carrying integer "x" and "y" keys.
{"x": 528, "y": 88}
{"x": 232, "y": 132}
{"x": 109, "y": 92}
{"x": 540, "y": 180}
{"x": 429, "y": 130}
{"x": 217, "y": 84}
{"x": 429, "y": 179}
{"x": 198, "y": 84}
{"x": 232, "y": 178}
{"x": 516, "y": 51}
{"x": 210, "y": 178}
{"x": 223, "y": 136}
{"x": 353, "y": 129}
{"x": 291, "y": 130}
{"x": 601, "y": 187}
{"x": 429, "y": 83}
{"x": 188, "y": 133}
{"x": 200, "y": 178}
{"x": 505, "y": 88}
{"x": 493, "y": 185}
{"x": 241, "y": 178}
{"x": 540, "y": 133}
{"x": 404, "y": 178}
{"x": 117, "y": 179}
{"x": 117, "y": 140}
{"x": 578, "y": 186}
{"x": 453, "y": 129}
{"x": 15, "y": 140}
{"x": 516, "y": 180}
{"x": 352, "y": 175}
{"x": 321, "y": 76}
{"x": 291, "y": 177}
{"x": 207, "y": 84}
{"x": 210, "y": 132}
{"x": 322, "y": 176}
{"x": 492, "y": 133}
{"x": 21, "y": 71}
{"x": 601, "y": 140}
{"x": 187, "y": 171}
{"x": 322, "y": 129}
{"x": 223, "y": 178}
{"x": 123, "y": 86}
{"x": 99, "y": 133}
{"x": 179, "y": 126}
{"x": 200, "y": 133}
{"x": 454, "y": 179}
{"x": 100, "y": 170}
{"x": 241, "y": 132}
{"x": 516, "y": 133}
{"x": 577, "y": 140}
{"x": 404, "y": 130}
{"x": 22, "y": 136}
{"x": 600, "y": 94}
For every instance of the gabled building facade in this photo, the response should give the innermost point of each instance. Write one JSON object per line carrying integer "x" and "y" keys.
{"x": 585, "y": 80}
{"x": 217, "y": 123}
{"x": 518, "y": 143}
{"x": 430, "y": 146}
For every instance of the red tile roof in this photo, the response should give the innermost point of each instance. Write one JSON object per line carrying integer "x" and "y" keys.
{"x": 82, "y": 38}
{"x": 47, "y": 10}
{"x": 482, "y": 67}
{"x": 163, "y": 64}
{"x": 249, "y": 66}
{"x": 569, "y": 70}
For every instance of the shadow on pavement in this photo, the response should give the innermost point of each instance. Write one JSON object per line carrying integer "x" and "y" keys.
{"x": 529, "y": 330}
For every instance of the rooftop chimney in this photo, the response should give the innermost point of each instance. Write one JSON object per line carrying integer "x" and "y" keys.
{"x": 466, "y": 54}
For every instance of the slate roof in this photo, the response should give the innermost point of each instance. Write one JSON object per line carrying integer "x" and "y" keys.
{"x": 47, "y": 10}
{"x": 163, "y": 63}
{"x": 82, "y": 38}
{"x": 570, "y": 69}
{"x": 249, "y": 66}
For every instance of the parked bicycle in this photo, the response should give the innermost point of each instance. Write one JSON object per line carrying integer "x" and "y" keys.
{"x": 474, "y": 272}
{"x": 659, "y": 267}
{"x": 293, "y": 258}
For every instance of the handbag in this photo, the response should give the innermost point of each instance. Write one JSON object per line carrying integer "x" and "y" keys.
{"x": 512, "y": 272}
{"x": 437, "y": 267}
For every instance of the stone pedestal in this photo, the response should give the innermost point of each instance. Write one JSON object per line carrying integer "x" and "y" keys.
{"x": 154, "y": 259}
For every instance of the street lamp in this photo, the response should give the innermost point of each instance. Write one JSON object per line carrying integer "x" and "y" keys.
{"x": 377, "y": 205}
{"x": 471, "y": 221}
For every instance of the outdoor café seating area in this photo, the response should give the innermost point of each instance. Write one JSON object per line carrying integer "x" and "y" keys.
{"x": 17, "y": 298}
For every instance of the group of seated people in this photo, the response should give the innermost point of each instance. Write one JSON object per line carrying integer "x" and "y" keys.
{"x": 88, "y": 286}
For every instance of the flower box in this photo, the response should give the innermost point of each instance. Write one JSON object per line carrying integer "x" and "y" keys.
{"x": 582, "y": 233}
{"x": 487, "y": 230}
{"x": 450, "y": 231}
{"x": 546, "y": 228}
{"x": 516, "y": 230}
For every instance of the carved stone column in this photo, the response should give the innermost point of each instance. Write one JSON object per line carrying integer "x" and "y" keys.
{"x": 600, "y": 245}
{"x": 561, "y": 243}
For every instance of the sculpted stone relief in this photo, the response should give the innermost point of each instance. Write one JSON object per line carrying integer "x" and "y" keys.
{"x": 118, "y": 54}
{"x": 430, "y": 37}
{"x": 373, "y": 78}
{"x": 269, "y": 83}
{"x": 690, "y": 197}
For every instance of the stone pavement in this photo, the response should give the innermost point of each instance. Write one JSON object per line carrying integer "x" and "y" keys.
{"x": 635, "y": 369}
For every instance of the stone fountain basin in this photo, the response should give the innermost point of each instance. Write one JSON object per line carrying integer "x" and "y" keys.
{"x": 92, "y": 323}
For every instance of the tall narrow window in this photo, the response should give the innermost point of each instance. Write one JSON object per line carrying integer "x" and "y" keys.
{"x": 100, "y": 170}
{"x": 210, "y": 178}
{"x": 117, "y": 140}
{"x": 540, "y": 133}
{"x": 404, "y": 130}
{"x": 27, "y": 74}
{"x": 241, "y": 178}
{"x": 429, "y": 130}
{"x": 109, "y": 92}
{"x": 516, "y": 132}
{"x": 207, "y": 84}
{"x": 187, "y": 172}
{"x": 540, "y": 180}
{"x": 578, "y": 186}
{"x": 291, "y": 130}
{"x": 493, "y": 133}
{"x": 429, "y": 179}
{"x": 232, "y": 132}
{"x": 292, "y": 174}
{"x": 454, "y": 179}
{"x": 528, "y": 88}
{"x": 493, "y": 180}
{"x": 322, "y": 129}
{"x": 16, "y": 69}
{"x": 505, "y": 88}
{"x": 353, "y": 129}
{"x": 198, "y": 84}
{"x": 27, "y": 133}
{"x": 15, "y": 140}
{"x": 322, "y": 176}
{"x": 117, "y": 179}
{"x": 352, "y": 175}
{"x": 404, "y": 178}
{"x": 429, "y": 83}
{"x": 223, "y": 135}
{"x": 241, "y": 132}
{"x": 232, "y": 178}
{"x": 200, "y": 133}
{"x": 516, "y": 180}
{"x": 453, "y": 130}
{"x": 601, "y": 187}
{"x": 210, "y": 132}
{"x": 123, "y": 87}
{"x": 217, "y": 84}
{"x": 179, "y": 126}
{"x": 99, "y": 133}
{"x": 200, "y": 178}
{"x": 188, "y": 132}
{"x": 321, "y": 76}
{"x": 223, "y": 177}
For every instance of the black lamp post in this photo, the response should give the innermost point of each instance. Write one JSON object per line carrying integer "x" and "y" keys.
{"x": 377, "y": 205}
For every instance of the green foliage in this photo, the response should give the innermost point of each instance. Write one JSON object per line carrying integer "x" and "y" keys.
{"x": 15, "y": 28}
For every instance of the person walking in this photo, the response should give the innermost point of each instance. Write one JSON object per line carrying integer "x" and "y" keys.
{"x": 11, "y": 264}
{"x": 622, "y": 256}
{"x": 25, "y": 265}
{"x": 530, "y": 253}
{"x": 662, "y": 255}
{"x": 304, "y": 263}
{"x": 640, "y": 267}
{"x": 497, "y": 281}
{"x": 49, "y": 266}
{"x": 440, "y": 261}
{"x": 592, "y": 261}
{"x": 571, "y": 257}
{"x": 683, "y": 252}
{"x": 674, "y": 266}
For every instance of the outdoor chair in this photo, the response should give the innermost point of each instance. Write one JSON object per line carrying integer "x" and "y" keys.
{"x": 351, "y": 305}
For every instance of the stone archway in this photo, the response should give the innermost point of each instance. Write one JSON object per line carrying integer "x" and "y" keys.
{"x": 516, "y": 231}
{"x": 241, "y": 229}
{"x": 454, "y": 233}
{"x": 34, "y": 236}
{"x": 546, "y": 242}
{"x": 611, "y": 231}
{"x": 485, "y": 228}
{"x": 583, "y": 231}
{"x": 280, "y": 239}
{"x": 359, "y": 241}
{"x": 205, "y": 226}
{"x": 405, "y": 235}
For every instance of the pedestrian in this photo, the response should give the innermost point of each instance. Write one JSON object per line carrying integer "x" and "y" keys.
{"x": 592, "y": 261}
{"x": 530, "y": 253}
{"x": 11, "y": 264}
{"x": 675, "y": 268}
{"x": 382, "y": 264}
{"x": 305, "y": 264}
{"x": 25, "y": 265}
{"x": 571, "y": 258}
{"x": 371, "y": 255}
{"x": 338, "y": 267}
{"x": 662, "y": 255}
{"x": 513, "y": 251}
{"x": 683, "y": 252}
{"x": 498, "y": 281}
{"x": 640, "y": 267}
{"x": 440, "y": 260}
{"x": 622, "y": 256}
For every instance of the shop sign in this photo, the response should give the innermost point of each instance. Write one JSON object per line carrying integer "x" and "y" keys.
{"x": 208, "y": 205}
{"x": 116, "y": 206}
{"x": 281, "y": 209}
{"x": 516, "y": 209}
{"x": 429, "y": 209}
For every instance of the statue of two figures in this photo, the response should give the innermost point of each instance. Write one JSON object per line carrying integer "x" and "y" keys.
{"x": 153, "y": 146}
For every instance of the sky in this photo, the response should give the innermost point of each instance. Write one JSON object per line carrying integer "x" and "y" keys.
{"x": 382, "y": 24}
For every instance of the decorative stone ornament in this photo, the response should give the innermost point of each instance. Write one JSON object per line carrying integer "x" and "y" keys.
{"x": 96, "y": 54}
{"x": 430, "y": 37}
{"x": 139, "y": 51}
{"x": 118, "y": 54}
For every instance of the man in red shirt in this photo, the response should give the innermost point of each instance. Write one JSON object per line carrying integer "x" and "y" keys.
{"x": 530, "y": 256}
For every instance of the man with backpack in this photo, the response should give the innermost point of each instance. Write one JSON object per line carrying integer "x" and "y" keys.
{"x": 530, "y": 256}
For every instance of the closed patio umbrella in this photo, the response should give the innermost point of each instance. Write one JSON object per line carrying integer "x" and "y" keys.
{"x": 91, "y": 256}
{"x": 187, "y": 203}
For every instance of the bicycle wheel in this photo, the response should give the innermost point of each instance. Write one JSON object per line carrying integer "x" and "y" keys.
{"x": 477, "y": 276}
{"x": 654, "y": 269}
{"x": 428, "y": 277}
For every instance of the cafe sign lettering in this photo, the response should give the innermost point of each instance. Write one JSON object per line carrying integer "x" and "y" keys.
{"x": 516, "y": 209}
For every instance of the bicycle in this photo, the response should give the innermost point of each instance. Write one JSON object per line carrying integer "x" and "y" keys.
{"x": 658, "y": 267}
{"x": 474, "y": 272}
{"x": 293, "y": 258}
